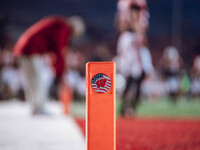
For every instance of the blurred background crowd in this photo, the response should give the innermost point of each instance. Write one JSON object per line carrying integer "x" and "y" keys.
{"x": 173, "y": 40}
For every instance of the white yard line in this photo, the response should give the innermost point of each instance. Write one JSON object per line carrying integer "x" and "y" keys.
{"x": 21, "y": 131}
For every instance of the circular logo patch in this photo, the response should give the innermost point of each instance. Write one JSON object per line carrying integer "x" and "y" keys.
{"x": 101, "y": 83}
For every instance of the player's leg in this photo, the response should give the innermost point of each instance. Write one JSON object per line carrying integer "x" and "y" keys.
{"x": 35, "y": 90}
{"x": 125, "y": 100}
{"x": 41, "y": 85}
{"x": 136, "y": 99}
{"x": 128, "y": 85}
{"x": 29, "y": 75}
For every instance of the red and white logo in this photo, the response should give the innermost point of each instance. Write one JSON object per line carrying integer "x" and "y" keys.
{"x": 101, "y": 83}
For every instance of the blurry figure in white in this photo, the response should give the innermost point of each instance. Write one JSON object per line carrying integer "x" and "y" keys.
{"x": 153, "y": 88}
{"x": 133, "y": 57}
{"x": 195, "y": 77}
{"x": 13, "y": 78}
{"x": 170, "y": 66}
{"x": 73, "y": 77}
{"x": 10, "y": 76}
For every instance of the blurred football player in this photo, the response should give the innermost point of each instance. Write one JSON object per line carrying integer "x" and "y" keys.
{"x": 195, "y": 77}
{"x": 51, "y": 35}
{"x": 170, "y": 65}
{"x": 133, "y": 57}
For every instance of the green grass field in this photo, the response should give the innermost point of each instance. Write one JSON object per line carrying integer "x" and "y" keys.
{"x": 166, "y": 108}
{"x": 159, "y": 108}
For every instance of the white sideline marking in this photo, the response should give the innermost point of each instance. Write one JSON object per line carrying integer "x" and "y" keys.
{"x": 21, "y": 131}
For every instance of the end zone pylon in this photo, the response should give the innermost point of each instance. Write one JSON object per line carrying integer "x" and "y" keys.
{"x": 100, "y": 106}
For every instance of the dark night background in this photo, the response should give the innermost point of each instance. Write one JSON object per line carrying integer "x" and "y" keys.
{"x": 174, "y": 22}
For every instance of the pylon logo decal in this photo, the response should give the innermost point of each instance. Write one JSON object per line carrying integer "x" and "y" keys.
{"x": 101, "y": 83}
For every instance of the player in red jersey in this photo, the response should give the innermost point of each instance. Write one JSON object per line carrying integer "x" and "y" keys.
{"x": 50, "y": 35}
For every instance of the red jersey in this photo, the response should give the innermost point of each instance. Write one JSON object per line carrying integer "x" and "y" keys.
{"x": 50, "y": 34}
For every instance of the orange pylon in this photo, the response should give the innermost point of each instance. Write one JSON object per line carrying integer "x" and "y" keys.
{"x": 100, "y": 106}
{"x": 66, "y": 96}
